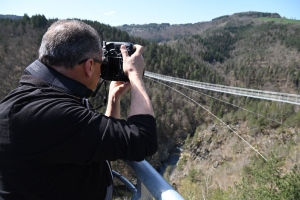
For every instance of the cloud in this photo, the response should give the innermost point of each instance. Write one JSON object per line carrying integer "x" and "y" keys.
{"x": 110, "y": 13}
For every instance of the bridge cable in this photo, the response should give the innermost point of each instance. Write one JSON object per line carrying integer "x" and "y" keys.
{"x": 212, "y": 115}
{"x": 273, "y": 120}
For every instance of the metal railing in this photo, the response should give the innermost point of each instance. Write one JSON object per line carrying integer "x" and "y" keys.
{"x": 260, "y": 94}
{"x": 150, "y": 183}
{"x": 126, "y": 182}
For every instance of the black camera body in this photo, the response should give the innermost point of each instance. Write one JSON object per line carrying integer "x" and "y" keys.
{"x": 112, "y": 64}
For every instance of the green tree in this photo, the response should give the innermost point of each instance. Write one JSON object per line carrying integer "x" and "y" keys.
{"x": 263, "y": 180}
{"x": 38, "y": 21}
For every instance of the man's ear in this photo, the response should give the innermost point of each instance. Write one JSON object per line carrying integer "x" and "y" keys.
{"x": 88, "y": 67}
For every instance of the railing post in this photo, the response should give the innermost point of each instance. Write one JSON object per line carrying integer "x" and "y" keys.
{"x": 143, "y": 193}
{"x": 158, "y": 187}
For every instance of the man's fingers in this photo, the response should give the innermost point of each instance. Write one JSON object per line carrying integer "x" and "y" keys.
{"x": 124, "y": 51}
{"x": 138, "y": 49}
{"x": 119, "y": 88}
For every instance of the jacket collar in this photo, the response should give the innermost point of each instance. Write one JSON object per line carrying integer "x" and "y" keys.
{"x": 55, "y": 79}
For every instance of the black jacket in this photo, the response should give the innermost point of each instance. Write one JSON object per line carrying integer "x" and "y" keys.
{"x": 56, "y": 148}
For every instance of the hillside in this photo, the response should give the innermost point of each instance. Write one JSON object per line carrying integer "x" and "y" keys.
{"x": 166, "y": 32}
{"x": 253, "y": 50}
{"x": 259, "y": 44}
{"x": 10, "y": 16}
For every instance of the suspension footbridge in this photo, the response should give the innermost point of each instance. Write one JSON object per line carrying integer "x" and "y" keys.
{"x": 260, "y": 94}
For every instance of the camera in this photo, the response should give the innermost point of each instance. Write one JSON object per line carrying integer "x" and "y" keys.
{"x": 112, "y": 62}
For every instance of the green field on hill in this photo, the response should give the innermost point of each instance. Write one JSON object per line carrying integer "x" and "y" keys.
{"x": 281, "y": 20}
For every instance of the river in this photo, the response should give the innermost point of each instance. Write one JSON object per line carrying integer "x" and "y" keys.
{"x": 171, "y": 161}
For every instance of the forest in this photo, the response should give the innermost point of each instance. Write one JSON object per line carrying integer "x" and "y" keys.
{"x": 234, "y": 50}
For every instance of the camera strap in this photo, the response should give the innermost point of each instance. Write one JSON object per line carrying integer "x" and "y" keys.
{"x": 58, "y": 80}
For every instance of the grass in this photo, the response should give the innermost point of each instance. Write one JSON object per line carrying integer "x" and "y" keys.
{"x": 280, "y": 20}
{"x": 181, "y": 163}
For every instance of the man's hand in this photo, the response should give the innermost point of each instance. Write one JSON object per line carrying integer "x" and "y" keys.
{"x": 116, "y": 90}
{"x": 134, "y": 67}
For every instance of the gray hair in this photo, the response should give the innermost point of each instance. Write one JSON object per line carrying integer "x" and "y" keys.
{"x": 67, "y": 42}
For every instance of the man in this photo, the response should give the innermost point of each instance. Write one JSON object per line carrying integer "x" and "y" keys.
{"x": 52, "y": 145}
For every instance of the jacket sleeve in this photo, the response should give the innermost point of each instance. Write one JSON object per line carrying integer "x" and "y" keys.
{"x": 62, "y": 131}
{"x": 132, "y": 140}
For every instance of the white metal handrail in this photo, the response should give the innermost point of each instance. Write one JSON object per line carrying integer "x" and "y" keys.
{"x": 158, "y": 187}
{"x": 150, "y": 184}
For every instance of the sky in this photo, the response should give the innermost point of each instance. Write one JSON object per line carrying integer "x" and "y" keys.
{"x": 119, "y": 12}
